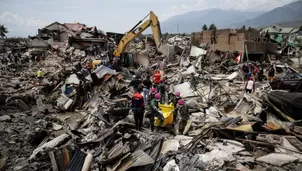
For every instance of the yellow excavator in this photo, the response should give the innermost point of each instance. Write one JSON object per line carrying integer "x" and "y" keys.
{"x": 152, "y": 22}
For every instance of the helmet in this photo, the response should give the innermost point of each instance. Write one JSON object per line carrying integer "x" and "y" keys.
{"x": 157, "y": 96}
{"x": 181, "y": 102}
{"x": 153, "y": 90}
{"x": 177, "y": 94}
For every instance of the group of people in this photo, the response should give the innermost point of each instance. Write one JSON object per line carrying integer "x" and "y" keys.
{"x": 255, "y": 72}
{"x": 148, "y": 94}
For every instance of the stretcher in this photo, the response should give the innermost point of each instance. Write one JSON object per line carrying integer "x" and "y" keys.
{"x": 167, "y": 111}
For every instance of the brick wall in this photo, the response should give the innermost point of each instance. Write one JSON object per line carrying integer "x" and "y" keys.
{"x": 231, "y": 40}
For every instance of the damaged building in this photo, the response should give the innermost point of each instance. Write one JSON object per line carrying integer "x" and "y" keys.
{"x": 73, "y": 34}
{"x": 230, "y": 40}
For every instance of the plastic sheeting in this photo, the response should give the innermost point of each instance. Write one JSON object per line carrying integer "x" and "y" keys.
{"x": 287, "y": 102}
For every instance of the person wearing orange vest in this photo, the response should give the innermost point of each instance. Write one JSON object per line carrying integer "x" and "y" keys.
{"x": 138, "y": 108}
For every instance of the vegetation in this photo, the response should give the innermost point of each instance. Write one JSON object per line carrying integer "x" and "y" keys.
{"x": 204, "y": 27}
{"x": 212, "y": 27}
{"x": 243, "y": 27}
{"x": 3, "y": 31}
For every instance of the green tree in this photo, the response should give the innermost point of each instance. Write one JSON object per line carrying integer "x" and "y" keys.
{"x": 243, "y": 27}
{"x": 204, "y": 27}
{"x": 212, "y": 27}
{"x": 166, "y": 34}
{"x": 250, "y": 29}
{"x": 3, "y": 31}
{"x": 300, "y": 28}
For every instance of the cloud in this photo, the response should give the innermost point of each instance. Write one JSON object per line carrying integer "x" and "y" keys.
{"x": 15, "y": 22}
{"x": 243, "y": 5}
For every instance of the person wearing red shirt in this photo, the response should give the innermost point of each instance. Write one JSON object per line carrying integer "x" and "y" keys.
{"x": 156, "y": 78}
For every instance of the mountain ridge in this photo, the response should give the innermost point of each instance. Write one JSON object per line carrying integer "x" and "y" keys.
{"x": 194, "y": 20}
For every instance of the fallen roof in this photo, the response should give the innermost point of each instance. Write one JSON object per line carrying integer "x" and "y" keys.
{"x": 75, "y": 26}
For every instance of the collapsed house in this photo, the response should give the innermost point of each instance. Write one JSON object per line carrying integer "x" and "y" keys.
{"x": 74, "y": 34}
{"x": 286, "y": 39}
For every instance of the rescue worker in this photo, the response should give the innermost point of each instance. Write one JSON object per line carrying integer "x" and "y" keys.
{"x": 89, "y": 66}
{"x": 271, "y": 73}
{"x": 39, "y": 74}
{"x": 256, "y": 72}
{"x": 182, "y": 116}
{"x": 147, "y": 84}
{"x": 162, "y": 91}
{"x": 81, "y": 92}
{"x": 156, "y": 78}
{"x": 135, "y": 83}
{"x": 260, "y": 76}
{"x": 155, "y": 111}
{"x": 250, "y": 85}
{"x": 151, "y": 95}
{"x": 193, "y": 81}
{"x": 174, "y": 100}
{"x": 138, "y": 108}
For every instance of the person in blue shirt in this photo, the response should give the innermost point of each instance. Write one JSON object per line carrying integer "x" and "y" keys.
{"x": 68, "y": 89}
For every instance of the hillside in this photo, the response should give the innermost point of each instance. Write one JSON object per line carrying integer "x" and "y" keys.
{"x": 193, "y": 21}
{"x": 287, "y": 14}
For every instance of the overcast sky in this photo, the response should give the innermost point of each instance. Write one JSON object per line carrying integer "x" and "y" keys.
{"x": 24, "y": 17}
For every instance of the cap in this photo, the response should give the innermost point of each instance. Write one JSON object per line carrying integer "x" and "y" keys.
{"x": 181, "y": 102}
{"x": 153, "y": 90}
{"x": 157, "y": 96}
{"x": 177, "y": 94}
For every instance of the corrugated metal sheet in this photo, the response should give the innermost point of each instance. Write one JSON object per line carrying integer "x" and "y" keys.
{"x": 101, "y": 71}
{"x": 184, "y": 89}
{"x": 196, "y": 51}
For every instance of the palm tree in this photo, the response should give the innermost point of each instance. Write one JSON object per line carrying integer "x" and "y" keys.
{"x": 3, "y": 31}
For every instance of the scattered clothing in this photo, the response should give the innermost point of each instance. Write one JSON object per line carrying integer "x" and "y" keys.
{"x": 68, "y": 89}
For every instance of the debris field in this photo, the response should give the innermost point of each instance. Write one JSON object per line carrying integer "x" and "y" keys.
{"x": 78, "y": 117}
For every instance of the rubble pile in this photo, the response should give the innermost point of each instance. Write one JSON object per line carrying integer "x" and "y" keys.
{"x": 79, "y": 117}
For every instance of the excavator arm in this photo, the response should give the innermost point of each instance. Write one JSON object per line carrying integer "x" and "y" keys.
{"x": 137, "y": 30}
